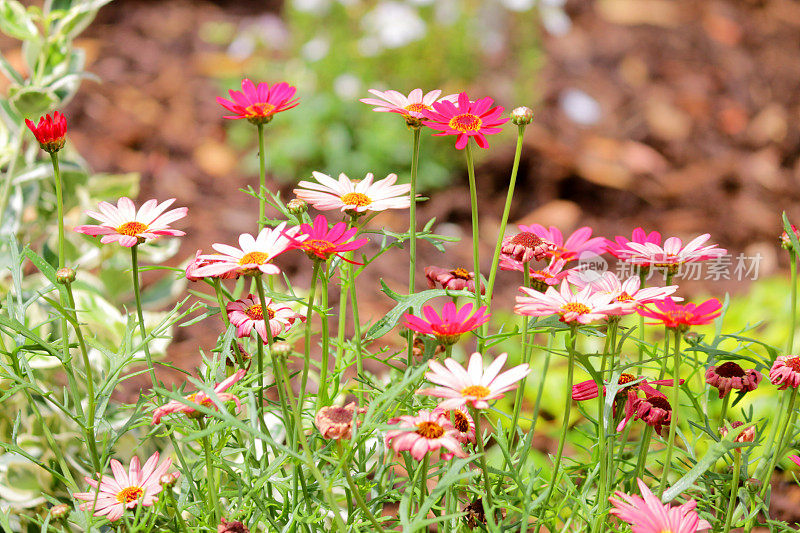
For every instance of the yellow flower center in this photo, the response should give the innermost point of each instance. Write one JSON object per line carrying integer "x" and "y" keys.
{"x": 256, "y": 312}
{"x": 623, "y": 297}
{"x": 460, "y": 421}
{"x": 132, "y": 228}
{"x": 626, "y": 378}
{"x": 430, "y": 430}
{"x": 460, "y": 273}
{"x": 259, "y": 110}
{"x": 417, "y": 108}
{"x": 319, "y": 246}
{"x": 466, "y": 122}
{"x": 258, "y": 258}
{"x": 478, "y": 391}
{"x": 129, "y": 494}
{"x": 576, "y": 307}
{"x": 357, "y": 199}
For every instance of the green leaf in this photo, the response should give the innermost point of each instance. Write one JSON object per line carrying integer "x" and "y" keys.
{"x": 31, "y": 102}
{"x": 413, "y": 301}
{"x": 16, "y": 22}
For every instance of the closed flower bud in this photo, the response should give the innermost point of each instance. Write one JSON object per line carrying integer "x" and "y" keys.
{"x": 168, "y": 480}
{"x": 50, "y": 131}
{"x": 233, "y": 526}
{"x": 60, "y": 512}
{"x": 65, "y": 275}
{"x": 282, "y": 348}
{"x": 296, "y": 206}
{"x": 522, "y": 116}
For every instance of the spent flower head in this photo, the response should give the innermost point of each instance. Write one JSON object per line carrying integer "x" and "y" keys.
{"x": 729, "y": 375}
{"x": 785, "y": 372}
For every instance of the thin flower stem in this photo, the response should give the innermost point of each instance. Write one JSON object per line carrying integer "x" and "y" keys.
{"x": 643, "y": 450}
{"x": 602, "y": 449}
{"x": 178, "y": 517}
{"x": 221, "y": 302}
{"x": 673, "y": 425}
{"x": 473, "y": 202}
{"x": 570, "y": 345}
{"x": 140, "y": 315}
{"x": 793, "y": 300}
{"x": 504, "y": 219}
{"x": 476, "y": 415}
{"x": 778, "y": 450}
{"x": 357, "y": 327}
{"x": 642, "y": 279}
{"x": 60, "y": 209}
{"x": 737, "y": 466}
{"x": 211, "y": 483}
{"x": 526, "y": 355}
{"x": 412, "y": 233}
{"x": 262, "y": 178}
{"x": 359, "y": 499}
{"x": 322, "y": 396}
{"x": 307, "y": 350}
{"x": 724, "y": 412}
{"x": 423, "y": 481}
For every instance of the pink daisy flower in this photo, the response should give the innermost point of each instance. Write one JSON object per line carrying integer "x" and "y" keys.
{"x": 465, "y": 119}
{"x": 451, "y": 325}
{"x": 729, "y": 375}
{"x": 462, "y": 422}
{"x": 260, "y": 103}
{"x": 795, "y": 459}
{"x": 627, "y": 293}
{"x": 423, "y": 433}
{"x": 125, "y": 490}
{"x": 647, "y": 514}
{"x": 674, "y": 315}
{"x": 785, "y": 372}
{"x": 354, "y": 196}
{"x": 620, "y": 244}
{"x": 127, "y": 226}
{"x": 580, "y": 242}
{"x": 254, "y": 255}
{"x": 473, "y": 385}
{"x": 410, "y": 107}
{"x": 201, "y": 398}
{"x": 541, "y": 279}
{"x": 457, "y": 279}
{"x": 583, "y": 307}
{"x": 198, "y": 262}
{"x": 319, "y": 241}
{"x": 672, "y": 254}
{"x": 50, "y": 132}
{"x": 248, "y": 313}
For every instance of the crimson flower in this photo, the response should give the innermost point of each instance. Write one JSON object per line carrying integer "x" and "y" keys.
{"x": 259, "y": 103}
{"x": 465, "y": 119}
{"x": 49, "y": 131}
{"x": 449, "y": 327}
{"x": 319, "y": 241}
{"x": 677, "y": 316}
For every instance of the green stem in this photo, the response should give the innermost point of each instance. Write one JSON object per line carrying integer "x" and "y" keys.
{"x": 737, "y": 466}
{"x": 221, "y": 302}
{"x": 476, "y": 415}
{"x": 309, "y": 314}
{"x": 140, "y": 314}
{"x": 423, "y": 481}
{"x": 602, "y": 450}
{"x": 644, "y": 448}
{"x": 676, "y": 389}
{"x": 526, "y": 355}
{"x": 211, "y": 482}
{"x": 793, "y": 310}
{"x": 570, "y": 344}
{"x": 725, "y": 401}
{"x": 359, "y": 499}
{"x": 357, "y": 328}
{"x": 262, "y": 178}
{"x": 322, "y": 396}
{"x": 473, "y": 202}
{"x": 178, "y": 517}
{"x": 778, "y": 450}
{"x": 412, "y": 233}
{"x": 60, "y": 209}
{"x": 504, "y": 219}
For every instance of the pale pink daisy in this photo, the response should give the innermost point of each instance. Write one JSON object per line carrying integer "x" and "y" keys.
{"x": 639, "y": 236}
{"x": 201, "y": 398}
{"x": 672, "y": 254}
{"x": 627, "y": 293}
{"x": 473, "y": 385}
{"x": 583, "y": 307}
{"x": 254, "y": 255}
{"x": 248, "y": 313}
{"x": 353, "y": 195}
{"x": 451, "y": 325}
{"x": 198, "y": 262}
{"x": 410, "y": 107}
{"x": 785, "y": 372}
{"x": 125, "y": 490}
{"x": 646, "y": 514}
{"x": 127, "y": 226}
{"x": 575, "y": 246}
{"x": 423, "y": 433}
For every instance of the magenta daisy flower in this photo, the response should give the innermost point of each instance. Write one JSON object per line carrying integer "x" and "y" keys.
{"x": 729, "y": 375}
{"x": 672, "y": 254}
{"x": 465, "y": 119}
{"x": 457, "y": 279}
{"x": 50, "y": 131}
{"x": 410, "y": 107}
{"x": 582, "y": 307}
{"x": 646, "y": 514}
{"x": 201, "y": 398}
{"x": 785, "y": 372}
{"x": 677, "y": 316}
{"x": 423, "y": 433}
{"x": 354, "y": 196}
{"x": 127, "y": 226}
{"x": 627, "y": 293}
{"x": 248, "y": 313}
{"x": 254, "y": 255}
{"x": 451, "y": 325}
{"x": 260, "y": 103}
{"x": 619, "y": 245}
{"x": 580, "y": 242}
{"x": 125, "y": 490}
{"x": 473, "y": 385}
{"x": 319, "y": 241}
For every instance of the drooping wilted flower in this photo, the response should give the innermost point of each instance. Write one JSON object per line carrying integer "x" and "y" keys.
{"x": 335, "y": 422}
{"x": 730, "y": 375}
